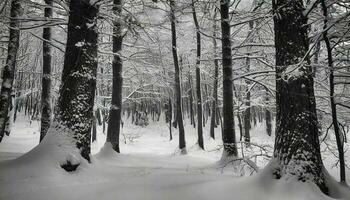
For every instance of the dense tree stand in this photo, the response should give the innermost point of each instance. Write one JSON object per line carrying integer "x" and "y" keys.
{"x": 297, "y": 149}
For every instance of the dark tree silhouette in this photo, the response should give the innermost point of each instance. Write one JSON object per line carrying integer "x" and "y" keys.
{"x": 198, "y": 79}
{"x": 77, "y": 92}
{"x": 228, "y": 133}
{"x": 297, "y": 149}
{"x": 114, "y": 122}
{"x": 178, "y": 100}
{"x": 46, "y": 79}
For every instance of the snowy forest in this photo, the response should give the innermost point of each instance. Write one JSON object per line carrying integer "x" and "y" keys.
{"x": 174, "y": 99}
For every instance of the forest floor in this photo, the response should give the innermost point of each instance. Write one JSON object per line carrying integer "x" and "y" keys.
{"x": 149, "y": 168}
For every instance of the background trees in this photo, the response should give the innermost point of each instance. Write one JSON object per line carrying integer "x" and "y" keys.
{"x": 179, "y": 61}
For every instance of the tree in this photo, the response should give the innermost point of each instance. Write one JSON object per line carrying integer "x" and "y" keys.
{"x": 228, "y": 133}
{"x": 78, "y": 83}
{"x": 178, "y": 100}
{"x": 297, "y": 149}
{"x": 214, "y": 109}
{"x": 337, "y": 133}
{"x": 247, "y": 112}
{"x": 198, "y": 79}
{"x": 9, "y": 69}
{"x": 46, "y": 78}
{"x": 114, "y": 122}
{"x": 268, "y": 117}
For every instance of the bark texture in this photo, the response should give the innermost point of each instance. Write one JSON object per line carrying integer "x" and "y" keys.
{"x": 10, "y": 67}
{"x": 228, "y": 134}
{"x": 77, "y": 92}
{"x": 297, "y": 150}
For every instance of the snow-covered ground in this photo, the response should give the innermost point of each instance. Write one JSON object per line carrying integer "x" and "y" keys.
{"x": 149, "y": 168}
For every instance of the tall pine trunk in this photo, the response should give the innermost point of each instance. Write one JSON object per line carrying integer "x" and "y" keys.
{"x": 46, "y": 78}
{"x": 297, "y": 150}
{"x": 10, "y": 67}
{"x": 228, "y": 133}
{"x": 75, "y": 103}
{"x": 114, "y": 122}
{"x": 182, "y": 142}
{"x": 198, "y": 80}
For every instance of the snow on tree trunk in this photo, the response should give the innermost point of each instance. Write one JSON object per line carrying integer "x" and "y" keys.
{"x": 198, "y": 80}
{"x": 9, "y": 69}
{"x": 46, "y": 78}
{"x": 178, "y": 100}
{"x": 297, "y": 150}
{"x": 114, "y": 122}
{"x": 228, "y": 133}
{"x": 75, "y": 103}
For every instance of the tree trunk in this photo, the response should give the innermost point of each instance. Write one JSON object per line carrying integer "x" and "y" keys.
{"x": 9, "y": 69}
{"x": 190, "y": 94}
{"x": 337, "y": 132}
{"x": 268, "y": 117}
{"x": 77, "y": 92}
{"x": 228, "y": 137}
{"x": 46, "y": 78}
{"x": 93, "y": 129}
{"x": 247, "y": 112}
{"x": 169, "y": 118}
{"x": 297, "y": 149}
{"x": 182, "y": 142}
{"x": 198, "y": 80}
{"x": 114, "y": 121}
{"x": 215, "y": 89}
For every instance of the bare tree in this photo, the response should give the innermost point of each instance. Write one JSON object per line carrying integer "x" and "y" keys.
{"x": 214, "y": 109}
{"x": 46, "y": 77}
{"x": 9, "y": 69}
{"x": 114, "y": 122}
{"x": 340, "y": 143}
{"x": 228, "y": 133}
{"x": 198, "y": 79}
{"x": 178, "y": 100}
